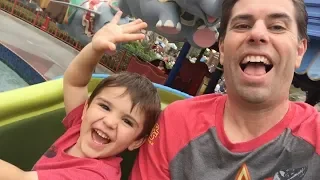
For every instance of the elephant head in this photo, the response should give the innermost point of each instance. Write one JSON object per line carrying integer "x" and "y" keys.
{"x": 207, "y": 10}
{"x": 82, "y": 24}
{"x": 203, "y": 18}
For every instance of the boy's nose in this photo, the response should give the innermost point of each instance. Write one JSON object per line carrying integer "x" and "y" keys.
{"x": 110, "y": 122}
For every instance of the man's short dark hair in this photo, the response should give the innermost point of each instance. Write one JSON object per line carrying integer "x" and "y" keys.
{"x": 301, "y": 16}
{"x": 142, "y": 92}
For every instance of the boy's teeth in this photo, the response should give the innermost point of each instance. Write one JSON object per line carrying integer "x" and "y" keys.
{"x": 101, "y": 134}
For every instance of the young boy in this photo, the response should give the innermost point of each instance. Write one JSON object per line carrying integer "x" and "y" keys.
{"x": 118, "y": 115}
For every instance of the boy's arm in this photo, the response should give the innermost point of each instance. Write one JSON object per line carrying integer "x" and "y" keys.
{"x": 77, "y": 77}
{"x": 78, "y": 74}
{"x": 11, "y": 172}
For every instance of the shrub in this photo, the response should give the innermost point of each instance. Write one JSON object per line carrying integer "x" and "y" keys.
{"x": 140, "y": 49}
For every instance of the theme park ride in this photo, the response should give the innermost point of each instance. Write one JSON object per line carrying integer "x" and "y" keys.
{"x": 35, "y": 112}
{"x": 195, "y": 22}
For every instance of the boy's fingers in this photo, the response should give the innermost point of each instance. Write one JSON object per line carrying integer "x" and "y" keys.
{"x": 116, "y": 17}
{"x": 130, "y": 37}
{"x": 130, "y": 24}
{"x": 137, "y": 21}
{"x": 112, "y": 47}
{"x": 108, "y": 46}
{"x": 134, "y": 28}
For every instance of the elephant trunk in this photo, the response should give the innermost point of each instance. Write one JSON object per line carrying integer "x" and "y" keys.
{"x": 123, "y": 6}
{"x": 211, "y": 8}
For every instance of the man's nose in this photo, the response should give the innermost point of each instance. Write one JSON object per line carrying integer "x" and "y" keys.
{"x": 111, "y": 122}
{"x": 259, "y": 34}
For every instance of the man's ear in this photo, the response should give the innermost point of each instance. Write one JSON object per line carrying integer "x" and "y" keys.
{"x": 221, "y": 51}
{"x": 136, "y": 144}
{"x": 302, "y": 48}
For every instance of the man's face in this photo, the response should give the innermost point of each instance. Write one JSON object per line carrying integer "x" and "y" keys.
{"x": 261, "y": 49}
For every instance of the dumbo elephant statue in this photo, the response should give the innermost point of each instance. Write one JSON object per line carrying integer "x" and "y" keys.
{"x": 83, "y": 18}
{"x": 195, "y": 21}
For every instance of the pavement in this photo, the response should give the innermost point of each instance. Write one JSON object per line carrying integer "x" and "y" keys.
{"x": 10, "y": 79}
{"x": 48, "y": 55}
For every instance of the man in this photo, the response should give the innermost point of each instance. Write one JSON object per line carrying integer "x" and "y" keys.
{"x": 253, "y": 132}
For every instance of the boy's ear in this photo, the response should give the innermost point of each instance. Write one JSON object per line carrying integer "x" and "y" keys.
{"x": 136, "y": 144}
{"x": 84, "y": 109}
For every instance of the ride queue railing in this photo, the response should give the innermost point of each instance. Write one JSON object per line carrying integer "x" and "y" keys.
{"x": 40, "y": 20}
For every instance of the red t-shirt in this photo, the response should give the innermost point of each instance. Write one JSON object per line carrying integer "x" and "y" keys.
{"x": 189, "y": 142}
{"x": 55, "y": 164}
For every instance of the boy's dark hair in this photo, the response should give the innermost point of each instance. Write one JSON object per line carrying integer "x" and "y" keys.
{"x": 301, "y": 16}
{"x": 142, "y": 92}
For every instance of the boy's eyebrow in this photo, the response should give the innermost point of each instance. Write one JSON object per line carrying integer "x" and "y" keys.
{"x": 130, "y": 117}
{"x": 105, "y": 101}
{"x": 110, "y": 104}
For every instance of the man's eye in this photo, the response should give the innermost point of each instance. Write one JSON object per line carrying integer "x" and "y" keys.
{"x": 242, "y": 26}
{"x": 105, "y": 107}
{"x": 277, "y": 28}
{"x": 128, "y": 122}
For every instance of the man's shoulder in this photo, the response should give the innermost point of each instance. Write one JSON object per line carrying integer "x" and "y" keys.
{"x": 306, "y": 124}
{"x": 193, "y": 111}
{"x": 305, "y": 112}
{"x": 196, "y": 103}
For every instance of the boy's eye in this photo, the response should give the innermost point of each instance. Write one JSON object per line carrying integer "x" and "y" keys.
{"x": 128, "y": 122}
{"x": 105, "y": 107}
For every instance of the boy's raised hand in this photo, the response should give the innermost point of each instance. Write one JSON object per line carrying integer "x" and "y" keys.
{"x": 112, "y": 33}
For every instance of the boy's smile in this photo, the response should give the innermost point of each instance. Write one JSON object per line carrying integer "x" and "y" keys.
{"x": 100, "y": 137}
{"x": 109, "y": 125}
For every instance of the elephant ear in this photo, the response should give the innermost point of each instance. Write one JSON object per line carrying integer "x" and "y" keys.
{"x": 163, "y": 1}
{"x": 77, "y": 6}
{"x": 114, "y": 6}
{"x": 73, "y": 6}
{"x": 56, "y": 12}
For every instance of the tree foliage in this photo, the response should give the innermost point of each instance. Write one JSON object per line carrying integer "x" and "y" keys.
{"x": 140, "y": 49}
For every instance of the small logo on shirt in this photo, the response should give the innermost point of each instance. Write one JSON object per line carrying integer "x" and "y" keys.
{"x": 51, "y": 152}
{"x": 243, "y": 173}
{"x": 290, "y": 174}
{"x": 154, "y": 133}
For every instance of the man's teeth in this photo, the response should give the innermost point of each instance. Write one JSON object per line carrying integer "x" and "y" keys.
{"x": 256, "y": 59}
{"x": 102, "y": 134}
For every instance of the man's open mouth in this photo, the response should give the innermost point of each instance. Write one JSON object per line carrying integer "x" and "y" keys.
{"x": 100, "y": 137}
{"x": 256, "y": 65}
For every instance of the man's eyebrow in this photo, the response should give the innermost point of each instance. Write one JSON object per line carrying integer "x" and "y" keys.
{"x": 242, "y": 17}
{"x": 272, "y": 16}
{"x": 282, "y": 16}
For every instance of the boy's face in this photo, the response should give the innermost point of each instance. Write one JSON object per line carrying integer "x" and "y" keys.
{"x": 109, "y": 126}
